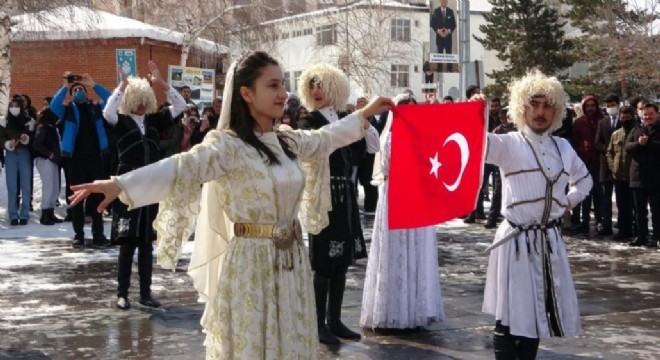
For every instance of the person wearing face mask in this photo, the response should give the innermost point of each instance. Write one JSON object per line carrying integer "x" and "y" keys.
{"x": 618, "y": 162}
{"x": 18, "y": 164}
{"x": 85, "y": 144}
{"x": 606, "y": 127}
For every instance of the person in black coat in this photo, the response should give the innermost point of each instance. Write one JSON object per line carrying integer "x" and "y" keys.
{"x": 643, "y": 144}
{"x": 324, "y": 91}
{"x": 46, "y": 147}
{"x": 130, "y": 110}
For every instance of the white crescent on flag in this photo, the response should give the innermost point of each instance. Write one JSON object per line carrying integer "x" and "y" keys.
{"x": 460, "y": 140}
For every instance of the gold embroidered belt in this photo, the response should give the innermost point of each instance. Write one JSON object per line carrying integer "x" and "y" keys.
{"x": 283, "y": 233}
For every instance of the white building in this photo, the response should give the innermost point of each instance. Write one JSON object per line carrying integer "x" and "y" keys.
{"x": 381, "y": 45}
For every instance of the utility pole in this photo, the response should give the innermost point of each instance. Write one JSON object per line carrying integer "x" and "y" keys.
{"x": 464, "y": 44}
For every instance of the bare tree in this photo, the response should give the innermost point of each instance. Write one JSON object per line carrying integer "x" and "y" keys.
{"x": 621, "y": 42}
{"x": 212, "y": 19}
{"x": 362, "y": 49}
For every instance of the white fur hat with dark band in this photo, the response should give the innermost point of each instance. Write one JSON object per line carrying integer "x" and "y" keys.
{"x": 333, "y": 82}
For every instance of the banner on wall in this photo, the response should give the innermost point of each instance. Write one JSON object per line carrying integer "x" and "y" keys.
{"x": 126, "y": 61}
{"x": 201, "y": 82}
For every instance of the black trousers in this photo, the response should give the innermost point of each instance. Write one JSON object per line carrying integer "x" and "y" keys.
{"x": 606, "y": 188}
{"x": 644, "y": 197}
{"x": 84, "y": 170}
{"x": 584, "y": 209}
{"x": 365, "y": 172}
{"x": 625, "y": 206}
{"x": 511, "y": 347}
{"x": 125, "y": 266}
{"x": 496, "y": 204}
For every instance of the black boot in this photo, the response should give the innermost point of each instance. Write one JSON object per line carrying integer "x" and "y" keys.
{"x": 321, "y": 296}
{"x": 504, "y": 346}
{"x": 45, "y": 218}
{"x": 337, "y": 287}
{"x": 69, "y": 216}
{"x": 55, "y": 219}
{"x": 527, "y": 348}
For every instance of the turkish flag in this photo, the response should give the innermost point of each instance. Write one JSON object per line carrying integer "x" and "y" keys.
{"x": 436, "y": 162}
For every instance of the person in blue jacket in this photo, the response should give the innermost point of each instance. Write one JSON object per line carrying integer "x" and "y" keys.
{"x": 84, "y": 143}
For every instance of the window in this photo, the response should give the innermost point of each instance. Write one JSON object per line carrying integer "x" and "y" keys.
{"x": 307, "y": 31}
{"x": 287, "y": 81}
{"x": 400, "y": 30}
{"x": 399, "y": 76}
{"x": 297, "y": 33}
{"x": 326, "y": 35}
{"x": 285, "y": 35}
{"x": 296, "y": 76}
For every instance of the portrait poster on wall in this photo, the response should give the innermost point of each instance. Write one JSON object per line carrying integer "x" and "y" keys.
{"x": 443, "y": 25}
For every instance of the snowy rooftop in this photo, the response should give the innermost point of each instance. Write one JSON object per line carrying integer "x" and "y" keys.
{"x": 475, "y": 6}
{"x": 76, "y": 23}
{"x": 362, "y": 3}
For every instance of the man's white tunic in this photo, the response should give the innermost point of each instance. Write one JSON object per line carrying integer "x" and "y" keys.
{"x": 529, "y": 286}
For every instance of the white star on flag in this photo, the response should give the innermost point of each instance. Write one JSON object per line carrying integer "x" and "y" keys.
{"x": 435, "y": 165}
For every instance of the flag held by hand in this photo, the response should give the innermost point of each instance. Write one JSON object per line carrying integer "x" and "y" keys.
{"x": 436, "y": 162}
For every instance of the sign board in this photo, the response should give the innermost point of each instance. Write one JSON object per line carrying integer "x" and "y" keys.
{"x": 201, "y": 82}
{"x": 126, "y": 61}
{"x": 444, "y": 58}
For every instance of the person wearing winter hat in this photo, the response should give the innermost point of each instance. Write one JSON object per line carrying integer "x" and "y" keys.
{"x": 583, "y": 139}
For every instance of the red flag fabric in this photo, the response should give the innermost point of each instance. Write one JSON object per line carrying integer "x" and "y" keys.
{"x": 436, "y": 162}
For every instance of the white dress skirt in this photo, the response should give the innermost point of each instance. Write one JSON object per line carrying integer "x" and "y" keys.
{"x": 402, "y": 284}
{"x": 259, "y": 299}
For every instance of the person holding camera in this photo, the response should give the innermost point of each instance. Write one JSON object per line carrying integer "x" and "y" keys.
{"x": 14, "y": 133}
{"x": 85, "y": 144}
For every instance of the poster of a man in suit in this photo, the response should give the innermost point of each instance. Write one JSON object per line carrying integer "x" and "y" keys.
{"x": 443, "y": 25}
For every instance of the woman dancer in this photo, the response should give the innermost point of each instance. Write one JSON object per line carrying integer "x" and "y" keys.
{"x": 257, "y": 283}
{"x": 402, "y": 284}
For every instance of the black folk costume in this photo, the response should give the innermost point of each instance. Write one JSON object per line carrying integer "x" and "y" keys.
{"x": 137, "y": 138}
{"x": 337, "y": 246}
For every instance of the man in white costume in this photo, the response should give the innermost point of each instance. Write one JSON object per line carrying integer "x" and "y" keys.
{"x": 529, "y": 287}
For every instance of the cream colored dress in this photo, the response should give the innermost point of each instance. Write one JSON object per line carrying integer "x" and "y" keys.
{"x": 256, "y": 307}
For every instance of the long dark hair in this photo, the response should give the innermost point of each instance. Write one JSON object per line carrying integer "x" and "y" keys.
{"x": 241, "y": 122}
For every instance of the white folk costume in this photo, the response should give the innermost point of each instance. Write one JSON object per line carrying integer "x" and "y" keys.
{"x": 529, "y": 286}
{"x": 402, "y": 284}
{"x": 259, "y": 294}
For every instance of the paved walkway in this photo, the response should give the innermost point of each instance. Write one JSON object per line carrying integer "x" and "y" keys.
{"x": 57, "y": 303}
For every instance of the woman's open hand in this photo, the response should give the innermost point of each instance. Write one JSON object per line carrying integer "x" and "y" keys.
{"x": 108, "y": 188}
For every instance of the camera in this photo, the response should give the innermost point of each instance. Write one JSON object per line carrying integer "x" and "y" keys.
{"x": 71, "y": 78}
